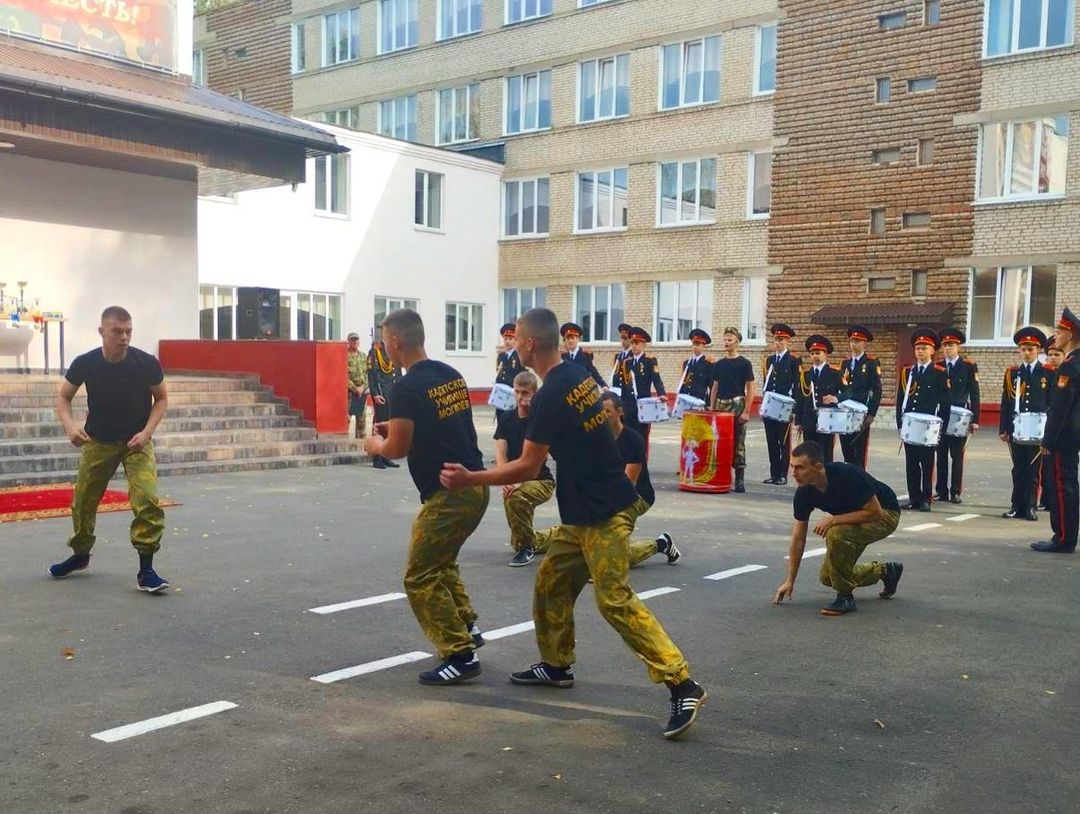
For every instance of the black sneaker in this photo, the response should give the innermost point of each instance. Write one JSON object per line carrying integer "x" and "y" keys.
{"x": 546, "y": 674}
{"x": 956, "y": 499}
{"x": 522, "y": 557}
{"x": 76, "y": 562}
{"x": 686, "y": 702}
{"x": 454, "y": 670}
{"x": 148, "y": 580}
{"x": 391, "y": 464}
{"x": 377, "y": 463}
{"x": 666, "y": 546}
{"x": 478, "y": 639}
{"x": 893, "y": 572}
{"x": 839, "y": 606}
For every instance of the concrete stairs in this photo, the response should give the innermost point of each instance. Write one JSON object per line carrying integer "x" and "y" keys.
{"x": 214, "y": 424}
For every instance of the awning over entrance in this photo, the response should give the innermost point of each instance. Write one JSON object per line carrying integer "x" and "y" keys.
{"x": 885, "y": 313}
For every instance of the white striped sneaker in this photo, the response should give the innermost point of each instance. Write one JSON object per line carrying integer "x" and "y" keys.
{"x": 686, "y": 702}
{"x": 452, "y": 671}
{"x": 546, "y": 674}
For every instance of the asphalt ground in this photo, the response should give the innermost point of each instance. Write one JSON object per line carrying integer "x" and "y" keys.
{"x": 960, "y": 695}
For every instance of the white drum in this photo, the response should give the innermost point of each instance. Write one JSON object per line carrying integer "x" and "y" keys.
{"x": 959, "y": 421}
{"x": 858, "y": 415}
{"x": 685, "y": 403}
{"x": 502, "y": 397}
{"x": 777, "y": 406}
{"x": 1028, "y": 428}
{"x": 920, "y": 429}
{"x": 838, "y": 420}
{"x": 652, "y": 410}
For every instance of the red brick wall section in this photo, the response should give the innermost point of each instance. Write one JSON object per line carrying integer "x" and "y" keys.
{"x": 263, "y": 72}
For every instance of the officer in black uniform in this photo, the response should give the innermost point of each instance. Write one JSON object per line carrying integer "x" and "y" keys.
{"x": 924, "y": 388}
{"x": 639, "y": 374}
{"x": 963, "y": 376}
{"x": 1026, "y": 389}
{"x": 620, "y": 356}
{"x": 508, "y": 363}
{"x": 1062, "y": 439}
{"x": 860, "y": 380}
{"x": 819, "y": 386}
{"x": 697, "y": 370}
{"x": 571, "y": 334}
{"x": 1055, "y": 357}
{"x": 382, "y": 376}
{"x": 781, "y": 376}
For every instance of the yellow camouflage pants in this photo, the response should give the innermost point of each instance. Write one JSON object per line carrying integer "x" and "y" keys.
{"x": 845, "y": 544}
{"x": 736, "y": 406}
{"x": 98, "y": 462}
{"x": 520, "y": 506}
{"x": 599, "y": 551}
{"x": 432, "y": 581}
{"x": 637, "y": 550}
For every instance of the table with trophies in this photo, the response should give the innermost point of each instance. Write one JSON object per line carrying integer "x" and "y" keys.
{"x": 18, "y": 323}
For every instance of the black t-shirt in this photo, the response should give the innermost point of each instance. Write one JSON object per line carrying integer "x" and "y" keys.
{"x": 731, "y": 376}
{"x": 117, "y": 393}
{"x": 568, "y": 417}
{"x": 435, "y": 398}
{"x": 511, "y": 429}
{"x": 632, "y": 448}
{"x": 848, "y": 490}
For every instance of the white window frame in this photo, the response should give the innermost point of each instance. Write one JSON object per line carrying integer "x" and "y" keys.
{"x": 540, "y": 83}
{"x": 931, "y": 79}
{"x": 999, "y": 339}
{"x": 293, "y": 299}
{"x": 877, "y": 90}
{"x": 682, "y": 73}
{"x": 426, "y": 226}
{"x": 1014, "y": 32}
{"x": 390, "y": 123}
{"x": 1007, "y": 169}
{"x": 885, "y": 19}
{"x": 298, "y": 47}
{"x": 391, "y": 304}
{"x": 218, "y": 290}
{"x": 697, "y": 220}
{"x": 751, "y": 179}
{"x": 926, "y": 12}
{"x": 468, "y": 90}
{"x": 596, "y": 197}
{"x": 613, "y": 330}
{"x": 198, "y": 67}
{"x": 327, "y": 203}
{"x": 475, "y": 25}
{"x": 539, "y": 300}
{"x": 348, "y": 117}
{"x": 591, "y": 3}
{"x": 615, "y": 60}
{"x": 757, "y": 90}
{"x": 540, "y": 13}
{"x": 519, "y": 182}
{"x": 476, "y": 348}
{"x": 748, "y": 284}
{"x": 412, "y": 25}
{"x": 700, "y": 320}
{"x": 349, "y": 15}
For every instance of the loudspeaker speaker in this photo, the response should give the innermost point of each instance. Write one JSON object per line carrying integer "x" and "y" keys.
{"x": 257, "y": 313}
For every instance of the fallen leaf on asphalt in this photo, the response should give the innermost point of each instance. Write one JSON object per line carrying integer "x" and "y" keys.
{"x": 508, "y": 748}
{"x": 68, "y": 653}
{"x": 1049, "y": 692}
{"x": 880, "y": 724}
{"x": 965, "y": 676}
{"x": 558, "y": 776}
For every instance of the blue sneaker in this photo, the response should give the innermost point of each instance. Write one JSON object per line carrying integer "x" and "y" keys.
{"x": 150, "y": 582}
{"x": 76, "y": 562}
{"x": 454, "y": 670}
{"x": 545, "y": 674}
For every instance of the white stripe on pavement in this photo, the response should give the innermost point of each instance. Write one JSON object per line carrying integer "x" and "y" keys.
{"x": 151, "y": 724}
{"x": 922, "y": 527}
{"x": 370, "y": 667}
{"x": 656, "y": 592}
{"x": 813, "y": 552}
{"x": 734, "y": 572}
{"x": 357, "y": 603}
{"x": 510, "y": 630}
{"x": 961, "y": 517}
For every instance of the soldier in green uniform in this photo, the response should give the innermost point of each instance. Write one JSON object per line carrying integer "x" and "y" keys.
{"x": 126, "y": 397}
{"x": 382, "y": 376}
{"x": 358, "y": 384}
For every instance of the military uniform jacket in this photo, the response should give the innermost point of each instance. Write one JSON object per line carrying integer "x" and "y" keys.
{"x": 507, "y": 366}
{"x": 810, "y": 392}
{"x": 697, "y": 377}
{"x": 585, "y": 359}
{"x": 929, "y": 393}
{"x": 783, "y": 376}
{"x": 1034, "y": 389}
{"x": 382, "y": 374}
{"x": 1063, "y": 420}
{"x": 640, "y": 377}
{"x": 861, "y": 381}
{"x": 964, "y": 386}
{"x": 618, "y": 369}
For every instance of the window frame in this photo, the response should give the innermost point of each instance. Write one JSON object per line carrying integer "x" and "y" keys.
{"x": 330, "y": 162}
{"x": 523, "y": 19}
{"x": 885, "y": 18}
{"x": 924, "y": 275}
{"x": 905, "y": 226}
{"x": 679, "y": 162}
{"x": 589, "y": 326}
{"x": 439, "y": 16}
{"x": 615, "y": 60}
{"x": 411, "y": 105}
{"x": 926, "y": 6}
{"x": 751, "y": 182}
{"x": 470, "y": 123}
{"x": 198, "y": 67}
{"x": 756, "y": 90}
{"x": 1006, "y": 172}
{"x": 913, "y": 90}
{"x": 698, "y": 322}
{"x": 919, "y": 162}
{"x": 878, "y": 80}
{"x": 539, "y": 300}
{"x": 577, "y": 188}
{"x": 298, "y": 47}
{"x": 539, "y": 74}
{"x": 521, "y": 235}
{"x": 217, "y": 289}
{"x": 744, "y": 319}
{"x": 475, "y": 348}
{"x": 1000, "y": 340}
{"x": 1014, "y": 30}
{"x": 660, "y": 106}
{"x": 402, "y": 302}
{"x": 426, "y": 226}
{"x": 412, "y": 25}
{"x": 349, "y": 14}
{"x": 884, "y": 221}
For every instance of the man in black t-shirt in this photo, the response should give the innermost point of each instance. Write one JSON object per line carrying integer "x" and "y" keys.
{"x": 431, "y": 421}
{"x": 733, "y": 392}
{"x": 126, "y": 397}
{"x": 595, "y": 504}
{"x": 862, "y": 511}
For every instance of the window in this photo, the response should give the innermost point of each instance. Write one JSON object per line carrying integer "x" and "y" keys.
{"x": 759, "y": 188}
{"x": 889, "y": 155}
{"x": 923, "y": 84}
{"x": 457, "y": 116}
{"x": 458, "y": 17}
{"x": 587, "y": 3}
{"x": 316, "y": 316}
{"x": 298, "y": 48}
{"x": 332, "y": 184}
{"x": 341, "y": 36}
{"x": 526, "y": 208}
{"x": 680, "y": 308}
{"x": 765, "y": 60}
{"x": 916, "y": 220}
{"x": 687, "y": 192}
{"x": 198, "y": 67}
{"x": 924, "y": 157}
{"x": 528, "y": 102}
{"x": 1027, "y": 25}
{"x": 755, "y": 302}
{"x": 887, "y": 22}
{"x": 1023, "y": 159}
{"x": 428, "y": 209}
{"x": 1005, "y": 299}
{"x": 518, "y": 10}
{"x": 919, "y": 283}
{"x": 690, "y": 73}
{"x": 397, "y": 118}
{"x": 601, "y": 200}
{"x": 604, "y": 88}
{"x": 384, "y": 305}
{"x": 877, "y": 221}
{"x": 397, "y": 25}
{"x": 880, "y": 284}
{"x": 349, "y": 117}
{"x": 931, "y": 12}
{"x": 599, "y": 309}
{"x": 516, "y": 301}
{"x": 464, "y": 327}
{"x": 883, "y": 90}
{"x": 217, "y": 312}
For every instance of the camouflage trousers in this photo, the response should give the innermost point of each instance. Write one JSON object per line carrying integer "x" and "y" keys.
{"x": 577, "y": 553}
{"x": 432, "y": 580}
{"x": 845, "y": 544}
{"x": 520, "y": 506}
{"x": 736, "y": 406}
{"x": 98, "y": 462}
{"x": 637, "y": 550}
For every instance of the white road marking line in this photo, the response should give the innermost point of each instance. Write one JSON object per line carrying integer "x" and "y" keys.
{"x": 509, "y": 630}
{"x": 813, "y": 552}
{"x": 901, "y": 497}
{"x": 961, "y": 517}
{"x": 370, "y": 667}
{"x": 734, "y": 572}
{"x": 922, "y": 527}
{"x": 657, "y": 592}
{"x": 356, "y": 603}
{"x": 150, "y": 724}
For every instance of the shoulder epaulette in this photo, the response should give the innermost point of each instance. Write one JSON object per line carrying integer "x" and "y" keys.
{"x": 969, "y": 360}
{"x": 1049, "y": 366}
{"x": 939, "y": 366}
{"x": 834, "y": 367}
{"x": 871, "y": 357}
{"x": 1014, "y": 368}
{"x": 806, "y": 368}
{"x": 586, "y": 352}
{"x": 650, "y": 358}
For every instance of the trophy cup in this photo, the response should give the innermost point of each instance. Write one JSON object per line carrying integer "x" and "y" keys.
{"x": 22, "y": 303}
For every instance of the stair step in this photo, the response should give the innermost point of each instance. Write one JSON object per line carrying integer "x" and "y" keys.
{"x": 41, "y": 385}
{"x": 175, "y": 399}
{"x": 208, "y": 425}
{"x": 60, "y": 445}
{"x": 32, "y": 415}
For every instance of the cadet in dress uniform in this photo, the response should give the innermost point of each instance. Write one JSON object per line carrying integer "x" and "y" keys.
{"x": 508, "y": 363}
{"x": 620, "y": 356}
{"x": 382, "y": 376}
{"x": 963, "y": 392}
{"x": 860, "y": 380}
{"x": 781, "y": 376}
{"x": 697, "y": 370}
{"x": 1062, "y": 439}
{"x": 639, "y": 374}
{"x": 571, "y": 334}
{"x": 819, "y": 386}
{"x": 1054, "y": 359}
{"x": 1026, "y": 389}
{"x": 924, "y": 388}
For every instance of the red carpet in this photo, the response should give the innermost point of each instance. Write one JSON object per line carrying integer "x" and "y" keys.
{"x": 54, "y": 500}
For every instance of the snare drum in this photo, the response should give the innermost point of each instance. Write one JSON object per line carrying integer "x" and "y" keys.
{"x": 857, "y": 415}
{"x": 652, "y": 410}
{"x": 502, "y": 397}
{"x": 959, "y": 421}
{"x": 685, "y": 403}
{"x": 777, "y": 407}
{"x": 835, "y": 419}
{"x": 1028, "y": 428}
{"x": 920, "y": 429}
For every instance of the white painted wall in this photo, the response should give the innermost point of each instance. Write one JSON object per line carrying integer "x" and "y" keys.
{"x": 84, "y": 238}
{"x": 274, "y": 238}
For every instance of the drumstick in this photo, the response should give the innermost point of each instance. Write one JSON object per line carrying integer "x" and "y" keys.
{"x": 1037, "y": 456}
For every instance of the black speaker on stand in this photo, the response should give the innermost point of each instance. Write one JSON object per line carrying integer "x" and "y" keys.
{"x": 257, "y": 313}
